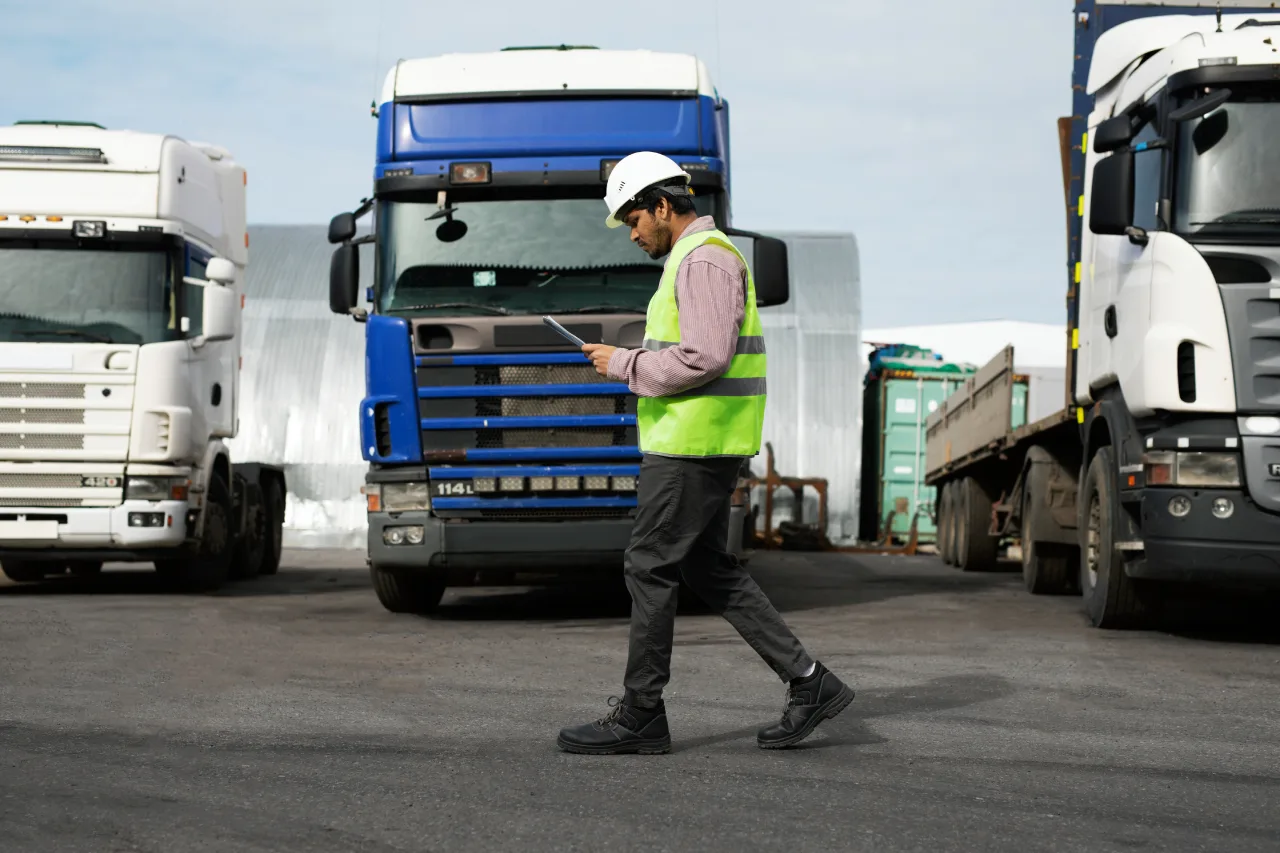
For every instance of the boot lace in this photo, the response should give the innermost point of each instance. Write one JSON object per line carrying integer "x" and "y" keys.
{"x": 610, "y": 719}
{"x": 790, "y": 700}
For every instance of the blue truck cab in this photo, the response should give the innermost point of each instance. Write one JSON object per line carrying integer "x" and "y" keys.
{"x": 496, "y": 454}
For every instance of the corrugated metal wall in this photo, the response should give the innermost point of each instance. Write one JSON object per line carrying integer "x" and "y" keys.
{"x": 814, "y": 415}
{"x": 304, "y": 377}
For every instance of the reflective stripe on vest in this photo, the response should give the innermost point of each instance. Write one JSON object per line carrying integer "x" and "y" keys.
{"x": 722, "y": 417}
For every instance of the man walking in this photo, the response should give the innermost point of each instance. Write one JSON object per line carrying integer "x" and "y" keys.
{"x": 701, "y": 382}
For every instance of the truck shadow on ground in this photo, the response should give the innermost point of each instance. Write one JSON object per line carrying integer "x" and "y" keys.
{"x": 147, "y": 583}
{"x": 793, "y": 582}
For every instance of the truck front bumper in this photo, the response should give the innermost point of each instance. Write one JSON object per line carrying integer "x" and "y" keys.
{"x": 496, "y": 552}
{"x": 105, "y": 532}
{"x": 1240, "y": 550}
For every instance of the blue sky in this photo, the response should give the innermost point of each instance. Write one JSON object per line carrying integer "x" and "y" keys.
{"x": 925, "y": 127}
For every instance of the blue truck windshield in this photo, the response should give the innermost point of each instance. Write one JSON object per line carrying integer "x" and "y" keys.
{"x": 76, "y": 295}
{"x": 1228, "y": 180}
{"x": 519, "y": 256}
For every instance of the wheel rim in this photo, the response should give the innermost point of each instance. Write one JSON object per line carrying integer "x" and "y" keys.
{"x": 1093, "y": 538}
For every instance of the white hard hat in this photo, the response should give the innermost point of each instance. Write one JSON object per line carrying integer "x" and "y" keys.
{"x": 634, "y": 174}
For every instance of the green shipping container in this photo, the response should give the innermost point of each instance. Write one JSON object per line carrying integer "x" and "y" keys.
{"x": 903, "y": 386}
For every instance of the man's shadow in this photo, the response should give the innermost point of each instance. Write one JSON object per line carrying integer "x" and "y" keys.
{"x": 850, "y": 727}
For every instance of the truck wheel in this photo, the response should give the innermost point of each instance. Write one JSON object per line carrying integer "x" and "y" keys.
{"x": 23, "y": 572}
{"x": 85, "y": 568}
{"x": 209, "y": 569}
{"x": 978, "y": 549}
{"x": 405, "y": 591}
{"x": 273, "y": 503}
{"x": 1046, "y": 566}
{"x": 1111, "y": 598}
{"x": 251, "y": 546}
{"x": 946, "y": 532}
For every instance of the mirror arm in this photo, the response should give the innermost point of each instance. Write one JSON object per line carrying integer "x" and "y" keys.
{"x": 358, "y": 314}
{"x": 1137, "y": 236}
{"x": 360, "y": 241}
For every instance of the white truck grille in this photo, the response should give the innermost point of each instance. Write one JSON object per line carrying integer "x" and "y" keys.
{"x": 65, "y": 418}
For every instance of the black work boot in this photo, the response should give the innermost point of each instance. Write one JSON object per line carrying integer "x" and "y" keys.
{"x": 626, "y": 729}
{"x": 809, "y": 701}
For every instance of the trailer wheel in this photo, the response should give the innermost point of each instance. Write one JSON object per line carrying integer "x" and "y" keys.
{"x": 405, "y": 591}
{"x": 20, "y": 571}
{"x": 251, "y": 545}
{"x": 977, "y": 549}
{"x": 1046, "y": 566}
{"x": 273, "y": 504}
{"x": 946, "y": 531}
{"x": 1111, "y": 598}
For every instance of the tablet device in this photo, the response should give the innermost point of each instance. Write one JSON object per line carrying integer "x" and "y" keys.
{"x": 565, "y": 333}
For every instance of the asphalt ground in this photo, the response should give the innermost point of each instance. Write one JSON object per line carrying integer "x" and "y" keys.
{"x": 293, "y": 713}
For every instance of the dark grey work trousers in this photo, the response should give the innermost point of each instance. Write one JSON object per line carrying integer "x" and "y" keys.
{"x": 682, "y": 529}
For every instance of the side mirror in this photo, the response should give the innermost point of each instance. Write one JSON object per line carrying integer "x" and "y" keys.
{"x": 344, "y": 278}
{"x": 1111, "y": 202}
{"x": 769, "y": 266}
{"x": 221, "y": 311}
{"x": 342, "y": 228}
{"x": 1112, "y": 134}
{"x": 1201, "y": 107}
{"x": 221, "y": 271}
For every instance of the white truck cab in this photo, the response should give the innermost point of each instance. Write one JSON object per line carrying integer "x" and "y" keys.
{"x": 122, "y": 262}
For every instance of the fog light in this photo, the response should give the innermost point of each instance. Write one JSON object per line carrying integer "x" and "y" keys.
{"x": 567, "y": 484}
{"x": 485, "y": 485}
{"x": 146, "y": 519}
{"x": 1223, "y": 507}
{"x": 596, "y": 484}
{"x": 393, "y": 536}
{"x": 413, "y": 535}
{"x": 512, "y": 484}
{"x": 540, "y": 484}
{"x": 1179, "y": 506}
{"x": 624, "y": 484}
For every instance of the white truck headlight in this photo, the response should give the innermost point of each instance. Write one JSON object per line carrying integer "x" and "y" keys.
{"x": 155, "y": 488}
{"x": 405, "y": 497}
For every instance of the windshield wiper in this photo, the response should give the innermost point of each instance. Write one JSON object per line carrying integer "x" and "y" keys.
{"x": 68, "y": 333}
{"x": 602, "y": 309}
{"x": 471, "y": 306}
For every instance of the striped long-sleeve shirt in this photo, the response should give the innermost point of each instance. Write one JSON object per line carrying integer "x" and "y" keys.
{"x": 711, "y": 294}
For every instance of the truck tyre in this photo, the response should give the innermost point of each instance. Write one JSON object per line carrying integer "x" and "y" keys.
{"x": 251, "y": 544}
{"x": 1046, "y": 566}
{"x": 20, "y": 571}
{"x": 208, "y": 569}
{"x": 946, "y": 531}
{"x": 405, "y": 591}
{"x": 273, "y": 504}
{"x": 1111, "y": 598}
{"x": 977, "y": 551}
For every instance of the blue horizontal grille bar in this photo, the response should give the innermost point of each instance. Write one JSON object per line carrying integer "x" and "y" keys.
{"x": 598, "y": 389}
{"x": 499, "y": 360}
{"x": 450, "y": 473}
{"x": 547, "y": 454}
{"x": 531, "y": 422}
{"x": 531, "y": 503}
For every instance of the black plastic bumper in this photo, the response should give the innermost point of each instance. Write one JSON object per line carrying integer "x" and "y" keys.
{"x": 475, "y": 552}
{"x": 1242, "y": 550}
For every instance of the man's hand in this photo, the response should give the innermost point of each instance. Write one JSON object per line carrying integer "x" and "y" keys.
{"x": 599, "y": 355}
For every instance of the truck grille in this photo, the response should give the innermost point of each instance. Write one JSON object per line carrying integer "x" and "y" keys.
{"x": 46, "y": 502}
{"x": 12, "y": 441}
{"x": 559, "y": 437}
{"x": 41, "y": 416}
{"x": 42, "y": 390}
{"x": 10, "y": 480}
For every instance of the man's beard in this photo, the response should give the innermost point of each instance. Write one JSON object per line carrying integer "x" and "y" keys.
{"x": 661, "y": 245}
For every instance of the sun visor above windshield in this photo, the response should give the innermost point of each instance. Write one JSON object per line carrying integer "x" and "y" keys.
{"x": 546, "y": 128}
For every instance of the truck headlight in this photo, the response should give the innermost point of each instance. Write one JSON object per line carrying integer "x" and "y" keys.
{"x": 405, "y": 497}
{"x": 1192, "y": 468}
{"x": 155, "y": 488}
